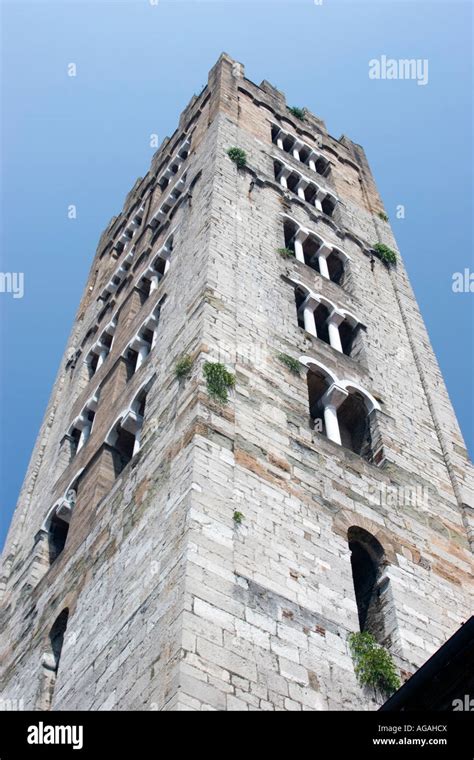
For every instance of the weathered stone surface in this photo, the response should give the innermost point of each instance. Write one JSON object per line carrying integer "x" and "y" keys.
{"x": 172, "y": 604}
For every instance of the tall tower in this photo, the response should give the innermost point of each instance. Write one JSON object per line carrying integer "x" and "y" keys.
{"x": 173, "y": 550}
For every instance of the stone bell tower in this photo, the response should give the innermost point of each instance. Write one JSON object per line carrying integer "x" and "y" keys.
{"x": 172, "y": 550}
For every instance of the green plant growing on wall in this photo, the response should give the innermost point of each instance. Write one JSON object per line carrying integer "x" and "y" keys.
{"x": 286, "y": 253}
{"x": 183, "y": 367}
{"x": 383, "y": 216}
{"x": 373, "y": 665}
{"x": 218, "y": 380}
{"x": 385, "y": 253}
{"x": 238, "y": 517}
{"x": 292, "y": 364}
{"x": 238, "y": 156}
{"x": 299, "y": 113}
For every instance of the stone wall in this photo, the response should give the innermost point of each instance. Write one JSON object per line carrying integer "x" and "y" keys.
{"x": 172, "y": 603}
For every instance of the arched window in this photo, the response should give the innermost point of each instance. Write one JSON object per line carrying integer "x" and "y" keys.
{"x": 344, "y": 411}
{"x": 57, "y": 522}
{"x": 57, "y": 535}
{"x": 122, "y": 442}
{"x": 125, "y": 436}
{"x": 50, "y": 660}
{"x": 318, "y": 383}
{"x": 354, "y": 424}
{"x": 310, "y": 249}
{"x": 368, "y": 562}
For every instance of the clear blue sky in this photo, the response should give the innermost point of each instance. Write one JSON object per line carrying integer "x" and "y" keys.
{"x": 85, "y": 140}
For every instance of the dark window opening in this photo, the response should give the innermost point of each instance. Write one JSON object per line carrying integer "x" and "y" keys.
{"x": 328, "y": 206}
{"x": 275, "y": 133}
{"x": 56, "y": 636}
{"x": 305, "y": 154}
{"x": 292, "y": 182}
{"x": 347, "y": 334}
{"x": 144, "y": 289}
{"x": 354, "y": 425}
{"x": 317, "y": 387}
{"x": 310, "y": 194}
{"x": 311, "y": 247}
{"x": 277, "y": 167}
{"x": 336, "y": 268}
{"x": 93, "y": 365}
{"x": 300, "y": 298}
{"x": 323, "y": 167}
{"x": 320, "y": 317}
{"x": 289, "y": 232}
{"x": 288, "y": 143}
{"x": 367, "y": 560}
{"x": 106, "y": 339}
{"x": 57, "y": 535}
{"x": 75, "y": 435}
{"x": 122, "y": 450}
{"x": 131, "y": 359}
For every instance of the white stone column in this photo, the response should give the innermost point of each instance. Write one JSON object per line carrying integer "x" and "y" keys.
{"x": 102, "y": 356}
{"x": 85, "y": 433}
{"x": 154, "y": 280}
{"x": 318, "y": 198}
{"x": 331, "y": 424}
{"x": 333, "y": 322}
{"x": 296, "y": 153}
{"x": 280, "y": 142}
{"x": 299, "y": 239}
{"x": 308, "y": 316}
{"x": 312, "y": 163}
{"x": 302, "y": 184}
{"x": 136, "y": 444}
{"x": 322, "y": 255}
{"x": 331, "y": 400}
{"x": 143, "y": 351}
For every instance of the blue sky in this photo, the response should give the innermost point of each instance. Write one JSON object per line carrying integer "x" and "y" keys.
{"x": 84, "y": 141}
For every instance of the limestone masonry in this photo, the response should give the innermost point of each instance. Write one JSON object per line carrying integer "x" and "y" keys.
{"x": 128, "y": 581}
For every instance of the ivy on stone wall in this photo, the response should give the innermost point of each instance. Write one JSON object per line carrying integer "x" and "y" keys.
{"x": 218, "y": 380}
{"x": 286, "y": 253}
{"x": 183, "y": 367}
{"x": 299, "y": 113}
{"x": 373, "y": 665}
{"x": 238, "y": 156}
{"x": 385, "y": 254}
{"x": 292, "y": 364}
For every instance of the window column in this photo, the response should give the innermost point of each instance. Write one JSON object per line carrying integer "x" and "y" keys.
{"x": 143, "y": 349}
{"x": 102, "y": 352}
{"x": 299, "y": 239}
{"x": 300, "y": 188}
{"x": 333, "y": 322}
{"x": 331, "y": 400}
{"x": 312, "y": 162}
{"x": 323, "y": 252}
{"x": 296, "y": 147}
{"x": 283, "y": 176}
{"x": 318, "y": 198}
{"x": 308, "y": 306}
